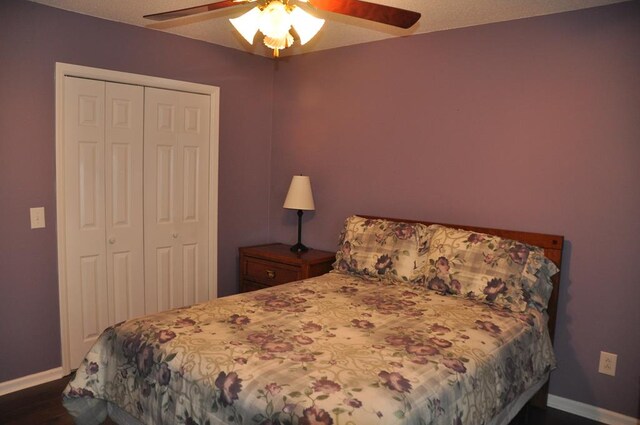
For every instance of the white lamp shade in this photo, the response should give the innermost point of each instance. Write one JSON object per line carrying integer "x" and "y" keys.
{"x": 299, "y": 196}
{"x": 248, "y": 24}
{"x": 306, "y": 25}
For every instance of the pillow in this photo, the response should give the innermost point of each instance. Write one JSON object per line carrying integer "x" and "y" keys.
{"x": 382, "y": 249}
{"x": 538, "y": 284}
{"x": 484, "y": 267}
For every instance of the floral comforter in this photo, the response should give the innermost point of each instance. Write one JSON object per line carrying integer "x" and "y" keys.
{"x": 334, "y": 349}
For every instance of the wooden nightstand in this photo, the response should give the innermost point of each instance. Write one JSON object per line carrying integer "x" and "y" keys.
{"x": 269, "y": 265}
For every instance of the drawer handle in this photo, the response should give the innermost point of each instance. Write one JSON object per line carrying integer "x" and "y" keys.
{"x": 271, "y": 274}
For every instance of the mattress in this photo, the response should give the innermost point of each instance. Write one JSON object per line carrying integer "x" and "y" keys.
{"x": 328, "y": 350}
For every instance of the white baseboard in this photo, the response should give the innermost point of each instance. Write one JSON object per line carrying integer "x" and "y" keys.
{"x": 30, "y": 381}
{"x": 590, "y": 412}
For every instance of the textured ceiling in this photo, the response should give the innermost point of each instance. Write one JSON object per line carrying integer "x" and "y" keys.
{"x": 339, "y": 30}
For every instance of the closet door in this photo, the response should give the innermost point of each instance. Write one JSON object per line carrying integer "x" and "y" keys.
{"x": 85, "y": 218}
{"x": 103, "y": 210}
{"x": 124, "y": 191}
{"x": 176, "y": 155}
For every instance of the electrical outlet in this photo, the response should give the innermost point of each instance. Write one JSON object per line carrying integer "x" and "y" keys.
{"x": 37, "y": 217}
{"x": 608, "y": 363}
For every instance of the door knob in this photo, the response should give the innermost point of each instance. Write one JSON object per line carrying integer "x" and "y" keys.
{"x": 112, "y": 240}
{"x": 175, "y": 235}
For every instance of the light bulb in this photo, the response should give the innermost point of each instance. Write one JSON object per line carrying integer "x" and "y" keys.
{"x": 275, "y": 21}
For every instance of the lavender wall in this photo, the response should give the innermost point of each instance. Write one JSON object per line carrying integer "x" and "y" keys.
{"x": 32, "y": 39}
{"x": 531, "y": 125}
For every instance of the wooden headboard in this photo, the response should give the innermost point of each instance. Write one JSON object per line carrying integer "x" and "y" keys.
{"x": 552, "y": 245}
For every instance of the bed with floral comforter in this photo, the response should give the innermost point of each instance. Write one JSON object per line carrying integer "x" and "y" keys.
{"x": 335, "y": 349}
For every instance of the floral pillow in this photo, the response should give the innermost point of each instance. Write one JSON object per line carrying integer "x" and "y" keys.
{"x": 537, "y": 279}
{"x": 382, "y": 249}
{"x": 485, "y": 267}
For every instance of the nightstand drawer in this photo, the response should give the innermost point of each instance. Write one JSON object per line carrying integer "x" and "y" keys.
{"x": 269, "y": 273}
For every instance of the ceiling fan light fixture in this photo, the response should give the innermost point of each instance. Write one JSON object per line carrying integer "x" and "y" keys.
{"x": 248, "y": 24}
{"x": 305, "y": 24}
{"x": 275, "y": 18}
{"x": 275, "y": 21}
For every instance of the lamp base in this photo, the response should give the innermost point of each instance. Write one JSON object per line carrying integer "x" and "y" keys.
{"x": 299, "y": 248}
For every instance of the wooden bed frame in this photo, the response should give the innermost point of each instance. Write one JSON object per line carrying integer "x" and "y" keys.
{"x": 552, "y": 245}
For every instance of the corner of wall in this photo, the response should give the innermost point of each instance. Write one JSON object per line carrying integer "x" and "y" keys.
{"x": 274, "y": 69}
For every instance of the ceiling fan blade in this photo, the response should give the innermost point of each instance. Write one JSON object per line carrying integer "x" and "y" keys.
{"x": 370, "y": 11}
{"x": 188, "y": 11}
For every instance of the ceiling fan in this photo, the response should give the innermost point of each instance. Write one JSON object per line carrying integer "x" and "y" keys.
{"x": 275, "y": 18}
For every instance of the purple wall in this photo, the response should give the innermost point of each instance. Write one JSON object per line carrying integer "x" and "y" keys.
{"x": 32, "y": 39}
{"x": 531, "y": 124}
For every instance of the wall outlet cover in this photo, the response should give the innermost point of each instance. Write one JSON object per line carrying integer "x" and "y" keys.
{"x": 608, "y": 363}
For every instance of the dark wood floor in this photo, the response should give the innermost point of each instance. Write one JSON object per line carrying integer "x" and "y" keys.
{"x": 534, "y": 416}
{"x": 42, "y": 405}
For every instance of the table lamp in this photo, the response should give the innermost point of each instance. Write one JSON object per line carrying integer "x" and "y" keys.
{"x": 299, "y": 198}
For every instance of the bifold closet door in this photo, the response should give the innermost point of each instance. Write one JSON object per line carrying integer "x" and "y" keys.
{"x": 176, "y": 174}
{"x": 103, "y": 208}
{"x": 124, "y": 208}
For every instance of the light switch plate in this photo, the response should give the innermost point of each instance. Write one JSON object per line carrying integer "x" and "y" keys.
{"x": 37, "y": 217}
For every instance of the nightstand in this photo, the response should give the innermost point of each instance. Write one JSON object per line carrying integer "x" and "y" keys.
{"x": 269, "y": 265}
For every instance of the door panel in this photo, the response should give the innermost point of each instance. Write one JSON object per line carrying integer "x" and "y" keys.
{"x": 164, "y": 181}
{"x": 194, "y": 142}
{"x": 124, "y": 207}
{"x": 176, "y": 153}
{"x": 190, "y": 178}
{"x": 85, "y": 213}
{"x": 125, "y": 286}
{"x": 89, "y": 177}
{"x": 121, "y": 188}
{"x": 103, "y": 207}
{"x": 90, "y": 288}
{"x": 190, "y": 273}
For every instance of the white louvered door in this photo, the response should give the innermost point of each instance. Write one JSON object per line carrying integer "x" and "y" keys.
{"x": 176, "y": 156}
{"x": 103, "y": 208}
{"x": 136, "y": 165}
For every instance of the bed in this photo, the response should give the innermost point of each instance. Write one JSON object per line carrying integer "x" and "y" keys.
{"x": 397, "y": 333}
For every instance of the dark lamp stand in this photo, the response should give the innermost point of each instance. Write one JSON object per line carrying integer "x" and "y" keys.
{"x": 299, "y": 247}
